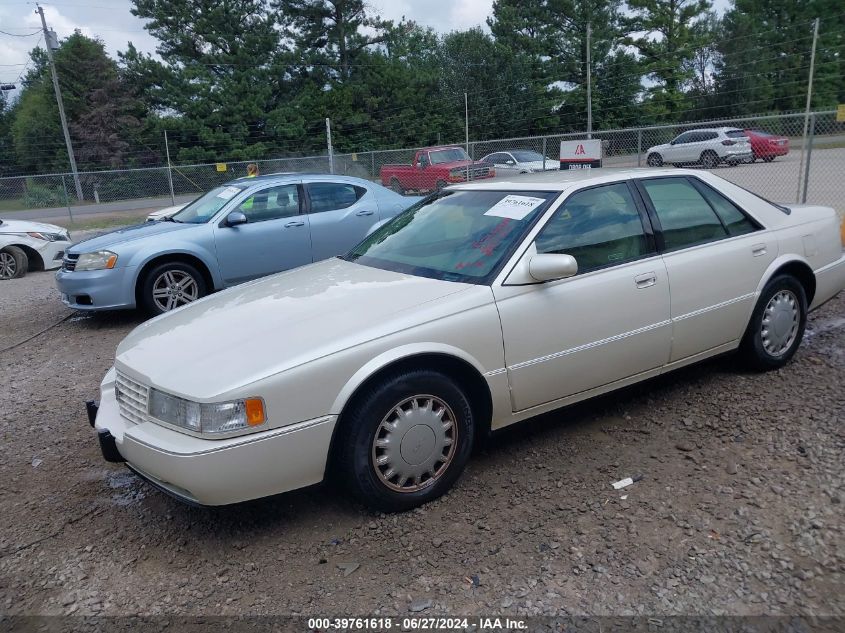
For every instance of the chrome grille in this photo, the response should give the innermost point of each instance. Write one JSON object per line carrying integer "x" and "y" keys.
{"x": 69, "y": 262}
{"x": 132, "y": 398}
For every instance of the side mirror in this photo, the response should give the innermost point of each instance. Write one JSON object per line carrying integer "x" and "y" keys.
{"x": 235, "y": 218}
{"x": 549, "y": 267}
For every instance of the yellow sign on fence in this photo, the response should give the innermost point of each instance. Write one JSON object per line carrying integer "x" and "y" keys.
{"x": 221, "y": 166}
{"x": 840, "y": 113}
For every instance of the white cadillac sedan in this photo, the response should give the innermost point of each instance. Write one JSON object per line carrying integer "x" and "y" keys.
{"x": 476, "y": 308}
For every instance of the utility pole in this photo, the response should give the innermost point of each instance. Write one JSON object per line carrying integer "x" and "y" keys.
{"x": 589, "y": 89}
{"x": 807, "y": 109}
{"x": 48, "y": 39}
{"x": 329, "y": 141}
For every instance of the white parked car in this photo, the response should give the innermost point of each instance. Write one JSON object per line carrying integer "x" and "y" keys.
{"x": 707, "y": 147}
{"x": 520, "y": 161}
{"x": 477, "y": 308}
{"x": 164, "y": 214}
{"x": 26, "y": 246}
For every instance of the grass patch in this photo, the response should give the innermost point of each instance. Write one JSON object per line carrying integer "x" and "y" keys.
{"x": 99, "y": 222}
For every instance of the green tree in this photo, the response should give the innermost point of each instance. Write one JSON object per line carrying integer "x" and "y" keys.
{"x": 667, "y": 41}
{"x": 765, "y": 56}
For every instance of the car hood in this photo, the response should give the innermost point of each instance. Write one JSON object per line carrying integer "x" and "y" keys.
{"x": 537, "y": 165}
{"x": 658, "y": 147}
{"x": 129, "y": 234}
{"x": 167, "y": 212}
{"x": 270, "y": 325}
{"x": 23, "y": 226}
{"x": 462, "y": 163}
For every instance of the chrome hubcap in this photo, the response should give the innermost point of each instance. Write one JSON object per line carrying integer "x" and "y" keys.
{"x": 174, "y": 288}
{"x": 8, "y": 266}
{"x": 415, "y": 443}
{"x": 780, "y": 323}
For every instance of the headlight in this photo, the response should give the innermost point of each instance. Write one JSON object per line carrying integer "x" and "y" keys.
{"x": 218, "y": 417}
{"x": 48, "y": 237}
{"x": 100, "y": 260}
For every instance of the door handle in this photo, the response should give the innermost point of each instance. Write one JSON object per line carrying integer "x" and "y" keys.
{"x": 291, "y": 225}
{"x": 365, "y": 212}
{"x": 645, "y": 280}
{"x": 758, "y": 249}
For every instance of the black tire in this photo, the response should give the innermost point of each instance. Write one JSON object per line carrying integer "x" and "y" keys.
{"x": 397, "y": 186}
{"x": 709, "y": 159}
{"x": 13, "y": 263}
{"x": 654, "y": 160}
{"x": 363, "y": 424}
{"x": 440, "y": 185}
{"x": 768, "y": 159}
{"x": 179, "y": 271}
{"x": 756, "y": 351}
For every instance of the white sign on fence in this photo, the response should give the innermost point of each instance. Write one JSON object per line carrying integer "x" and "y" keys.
{"x": 580, "y": 154}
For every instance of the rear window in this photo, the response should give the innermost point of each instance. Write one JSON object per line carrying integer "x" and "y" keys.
{"x": 760, "y": 133}
{"x": 735, "y": 133}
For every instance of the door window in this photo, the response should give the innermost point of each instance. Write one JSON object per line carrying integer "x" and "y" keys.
{"x": 734, "y": 220}
{"x": 686, "y": 137}
{"x": 271, "y": 204}
{"x": 598, "y": 227}
{"x": 686, "y": 219}
{"x": 331, "y": 196}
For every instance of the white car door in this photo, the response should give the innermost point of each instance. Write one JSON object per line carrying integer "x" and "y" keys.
{"x": 608, "y": 322}
{"x": 674, "y": 152}
{"x": 715, "y": 256}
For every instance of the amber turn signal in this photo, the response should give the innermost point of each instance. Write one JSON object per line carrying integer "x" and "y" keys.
{"x": 254, "y": 409}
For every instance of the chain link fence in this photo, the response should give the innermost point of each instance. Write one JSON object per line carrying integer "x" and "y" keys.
{"x": 798, "y": 170}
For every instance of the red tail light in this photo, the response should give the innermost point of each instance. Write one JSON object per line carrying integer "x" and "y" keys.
{"x": 728, "y": 142}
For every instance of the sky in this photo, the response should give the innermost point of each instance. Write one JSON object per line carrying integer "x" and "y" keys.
{"x": 112, "y": 22}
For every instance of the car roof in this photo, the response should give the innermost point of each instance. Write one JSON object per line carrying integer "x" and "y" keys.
{"x": 565, "y": 179}
{"x": 284, "y": 176}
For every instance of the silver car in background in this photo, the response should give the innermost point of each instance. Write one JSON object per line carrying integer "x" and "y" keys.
{"x": 237, "y": 232}
{"x": 521, "y": 161}
{"x": 708, "y": 147}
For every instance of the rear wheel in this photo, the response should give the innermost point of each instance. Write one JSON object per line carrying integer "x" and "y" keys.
{"x": 171, "y": 285}
{"x": 768, "y": 159}
{"x": 13, "y": 263}
{"x": 777, "y": 324}
{"x": 709, "y": 159}
{"x": 654, "y": 160}
{"x": 405, "y": 441}
{"x": 397, "y": 186}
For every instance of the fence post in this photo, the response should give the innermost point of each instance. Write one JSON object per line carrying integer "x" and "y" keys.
{"x": 639, "y": 147}
{"x": 169, "y": 169}
{"x": 809, "y": 157}
{"x": 329, "y": 144}
{"x": 544, "y": 153}
{"x": 67, "y": 200}
{"x": 373, "y": 162}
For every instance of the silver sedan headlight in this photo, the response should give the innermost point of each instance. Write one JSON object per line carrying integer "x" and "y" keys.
{"x": 211, "y": 418}
{"x": 99, "y": 260}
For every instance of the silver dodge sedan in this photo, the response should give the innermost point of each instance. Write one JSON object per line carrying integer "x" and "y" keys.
{"x": 475, "y": 309}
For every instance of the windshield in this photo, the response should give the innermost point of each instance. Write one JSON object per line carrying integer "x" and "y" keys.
{"x": 528, "y": 156}
{"x": 204, "y": 208}
{"x": 448, "y": 155}
{"x": 457, "y": 236}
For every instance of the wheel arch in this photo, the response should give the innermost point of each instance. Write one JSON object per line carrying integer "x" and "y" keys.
{"x": 455, "y": 363}
{"x": 36, "y": 262}
{"x": 174, "y": 256}
{"x": 797, "y": 267}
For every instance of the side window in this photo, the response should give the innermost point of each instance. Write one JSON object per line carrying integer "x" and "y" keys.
{"x": 424, "y": 160}
{"x": 685, "y": 217}
{"x": 331, "y": 196}
{"x": 598, "y": 227}
{"x": 709, "y": 136}
{"x": 686, "y": 137}
{"x": 271, "y": 204}
{"x": 734, "y": 219}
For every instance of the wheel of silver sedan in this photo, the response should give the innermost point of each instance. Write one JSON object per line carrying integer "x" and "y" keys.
{"x": 414, "y": 443}
{"x": 8, "y": 266}
{"x": 174, "y": 288}
{"x": 780, "y": 323}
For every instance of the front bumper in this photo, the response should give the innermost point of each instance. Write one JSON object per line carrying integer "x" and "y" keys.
{"x": 98, "y": 289}
{"x": 218, "y": 472}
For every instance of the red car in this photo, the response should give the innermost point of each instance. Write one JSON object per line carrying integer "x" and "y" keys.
{"x": 434, "y": 168}
{"x": 767, "y": 146}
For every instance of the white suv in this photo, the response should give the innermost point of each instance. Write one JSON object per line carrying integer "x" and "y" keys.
{"x": 709, "y": 147}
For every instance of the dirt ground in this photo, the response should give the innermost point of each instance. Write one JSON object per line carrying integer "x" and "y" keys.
{"x": 739, "y": 511}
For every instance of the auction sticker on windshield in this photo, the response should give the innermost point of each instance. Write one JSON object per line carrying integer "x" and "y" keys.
{"x": 514, "y": 207}
{"x": 228, "y": 193}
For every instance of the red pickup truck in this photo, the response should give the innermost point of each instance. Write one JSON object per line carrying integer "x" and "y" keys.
{"x": 434, "y": 168}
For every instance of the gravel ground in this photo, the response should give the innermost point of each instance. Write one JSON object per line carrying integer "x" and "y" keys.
{"x": 740, "y": 509}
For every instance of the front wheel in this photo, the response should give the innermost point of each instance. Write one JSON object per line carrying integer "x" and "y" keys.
{"x": 654, "y": 160}
{"x": 171, "y": 285}
{"x": 768, "y": 159}
{"x": 777, "y": 324}
{"x": 13, "y": 263}
{"x": 397, "y": 186}
{"x": 709, "y": 160}
{"x": 405, "y": 441}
